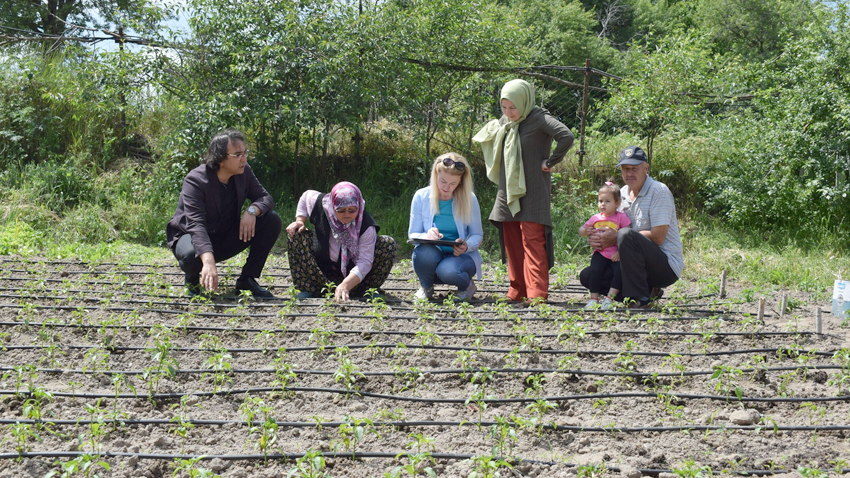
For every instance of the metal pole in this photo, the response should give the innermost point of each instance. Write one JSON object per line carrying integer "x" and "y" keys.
{"x": 584, "y": 100}
{"x": 125, "y": 149}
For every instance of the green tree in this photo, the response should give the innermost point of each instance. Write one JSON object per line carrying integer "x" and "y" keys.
{"x": 787, "y": 158}
{"x": 561, "y": 33}
{"x": 61, "y": 17}
{"x": 668, "y": 88}
{"x": 757, "y": 30}
{"x": 465, "y": 33}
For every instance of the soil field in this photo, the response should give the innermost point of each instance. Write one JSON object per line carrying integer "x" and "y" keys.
{"x": 110, "y": 365}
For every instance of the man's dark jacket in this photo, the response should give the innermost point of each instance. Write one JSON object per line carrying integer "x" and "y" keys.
{"x": 200, "y": 204}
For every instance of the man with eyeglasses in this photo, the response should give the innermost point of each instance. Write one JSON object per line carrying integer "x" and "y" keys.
{"x": 209, "y": 225}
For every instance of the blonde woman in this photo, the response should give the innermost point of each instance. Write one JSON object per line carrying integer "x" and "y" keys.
{"x": 447, "y": 210}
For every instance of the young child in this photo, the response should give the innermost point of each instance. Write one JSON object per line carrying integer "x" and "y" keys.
{"x": 602, "y": 260}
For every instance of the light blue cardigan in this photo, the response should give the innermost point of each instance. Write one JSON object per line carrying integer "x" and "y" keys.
{"x": 421, "y": 220}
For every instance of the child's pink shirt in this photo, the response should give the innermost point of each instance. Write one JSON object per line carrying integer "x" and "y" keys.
{"x": 617, "y": 221}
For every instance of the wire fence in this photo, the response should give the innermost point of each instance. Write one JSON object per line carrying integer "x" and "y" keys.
{"x": 569, "y": 93}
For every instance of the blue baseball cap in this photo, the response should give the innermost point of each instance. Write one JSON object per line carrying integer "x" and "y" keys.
{"x": 632, "y": 156}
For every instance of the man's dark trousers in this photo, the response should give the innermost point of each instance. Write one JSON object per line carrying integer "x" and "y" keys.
{"x": 643, "y": 265}
{"x": 228, "y": 245}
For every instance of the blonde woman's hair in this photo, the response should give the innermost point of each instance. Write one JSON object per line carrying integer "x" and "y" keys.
{"x": 462, "y": 194}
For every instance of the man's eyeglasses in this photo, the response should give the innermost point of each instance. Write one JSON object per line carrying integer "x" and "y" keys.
{"x": 449, "y": 162}
{"x": 240, "y": 155}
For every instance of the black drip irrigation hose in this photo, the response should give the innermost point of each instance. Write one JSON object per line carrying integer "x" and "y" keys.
{"x": 383, "y": 396}
{"x": 331, "y": 347}
{"x": 470, "y": 371}
{"x": 465, "y": 423}
{"x": 195, "y": 328}
{"x": 389, "y": 300}
{"x": 355, "y": 316}
{"x": 498, "y": 287}
{"x": 482, "y": 290}
{"x": 276, "y": 300}
{"x": 172, "y": 272}
{"x": 344, "y": 455}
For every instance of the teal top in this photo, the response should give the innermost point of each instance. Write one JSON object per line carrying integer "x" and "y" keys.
{"x": 445, "y": 222}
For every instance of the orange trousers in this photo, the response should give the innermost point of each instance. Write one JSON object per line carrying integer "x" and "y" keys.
{"x": 528, "y": 263}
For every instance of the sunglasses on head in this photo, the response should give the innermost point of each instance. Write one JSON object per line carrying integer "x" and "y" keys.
{"x": 449, "y": 162}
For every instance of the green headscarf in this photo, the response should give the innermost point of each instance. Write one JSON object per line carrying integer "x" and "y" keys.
{"x": 521, "y": 94}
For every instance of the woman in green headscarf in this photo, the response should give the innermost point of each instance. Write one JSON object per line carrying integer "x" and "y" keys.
{"x": 518, "y": 154}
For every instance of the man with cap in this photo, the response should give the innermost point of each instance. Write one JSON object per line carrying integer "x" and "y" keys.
{"x": 650, "y": 250}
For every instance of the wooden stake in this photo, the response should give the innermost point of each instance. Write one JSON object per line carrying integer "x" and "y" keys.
{"x": 761, "y": 310}
{"x": 723, "y": 284}
{"x": 783, "y": 305}
{"x": 818, "y": 321}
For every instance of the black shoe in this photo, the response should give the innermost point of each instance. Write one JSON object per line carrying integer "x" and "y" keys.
{"x": 193, "y": 289}
{"x": 250, "y": 284}
{"x": 656, "y": 293}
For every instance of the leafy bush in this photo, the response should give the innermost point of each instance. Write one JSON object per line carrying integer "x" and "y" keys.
{"x": 783, "y": 174}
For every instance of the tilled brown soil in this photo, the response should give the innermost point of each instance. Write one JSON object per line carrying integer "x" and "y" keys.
{"x": 111, "y": 360}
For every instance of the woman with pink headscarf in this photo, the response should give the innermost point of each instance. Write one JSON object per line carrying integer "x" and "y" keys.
{"x": 343, "y": 248}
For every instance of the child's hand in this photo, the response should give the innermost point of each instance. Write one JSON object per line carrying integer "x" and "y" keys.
{"x": 615, "y": 257}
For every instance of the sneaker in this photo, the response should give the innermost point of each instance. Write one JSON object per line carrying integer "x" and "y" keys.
{"x": 592, "y": 304}
{"x": 466, "y": 295}
{"x": 606, "y": 304}
{"x": 425, "y": 293}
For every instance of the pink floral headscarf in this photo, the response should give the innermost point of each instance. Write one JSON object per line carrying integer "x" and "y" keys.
{"x": 345, "y": 194}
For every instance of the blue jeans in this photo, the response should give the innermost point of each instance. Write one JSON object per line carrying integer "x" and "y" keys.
{"x": 433, "y": 266}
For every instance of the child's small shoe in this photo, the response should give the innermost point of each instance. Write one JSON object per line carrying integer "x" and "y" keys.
{"x": 592, "y": 304}
{"x": 606, "y": 304}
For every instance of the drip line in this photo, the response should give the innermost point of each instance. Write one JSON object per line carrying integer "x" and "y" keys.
{"x": 400, "y": 333}
{"x": 172, "y": 269}
{"x": 562, "y": 398}
{"x": 469, "y": 371}
{"x": 341, "y": 455}
{"x": 267, "y": 302}
{"x": 330, "y": 347}
{"x": 405, "y": 424}
{"x": 345, "y": 316}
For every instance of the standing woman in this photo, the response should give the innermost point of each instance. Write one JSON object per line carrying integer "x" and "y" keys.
{"x": 344, "y": 247}
{"x": 519, "y": 158}
{"x": 447, "y": 210}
